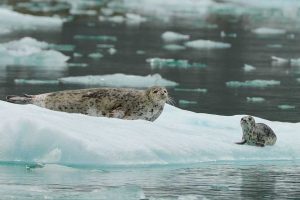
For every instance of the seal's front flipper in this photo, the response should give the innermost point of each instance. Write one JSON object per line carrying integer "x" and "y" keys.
{"x": 26, "y": 99}
{"x": 242, "y": 142}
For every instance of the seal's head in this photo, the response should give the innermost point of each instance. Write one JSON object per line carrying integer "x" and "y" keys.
{"x": 247, "y": 122}
{"x": 157, "y": 94}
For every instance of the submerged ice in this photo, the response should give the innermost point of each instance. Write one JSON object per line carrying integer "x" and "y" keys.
{"x": 34, "y": 134}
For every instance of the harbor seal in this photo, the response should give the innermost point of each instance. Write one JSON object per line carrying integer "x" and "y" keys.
{"x": 122, "y": 103}
{"x": 257, "y": 134}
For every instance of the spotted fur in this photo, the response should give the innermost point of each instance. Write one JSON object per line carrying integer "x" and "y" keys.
{"x": 130, "y": 104}
{"x": 257, "y": 134}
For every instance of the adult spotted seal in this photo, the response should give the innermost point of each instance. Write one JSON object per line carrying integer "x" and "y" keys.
{"x": 257, "y": 134}
{"x": 120, "y": 103}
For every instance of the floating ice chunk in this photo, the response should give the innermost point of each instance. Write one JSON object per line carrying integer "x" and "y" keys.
{"x": 96, "y": 37}
{"x": 174, "y": 47}
{"x": 112, "y": 51}
{"x": 119, "y": 80}
{"x": 286, "y": 107}
{"x": 185, "y": 103}
{"x": 199, "y": 90}
{"x": 14, "y": 21}
{"x": 230, "y": 35}
{"x": 295, "y": 62}
{"x": 105, "y": 46}
{"x": 77, "y": 65}
{"x": 253, "y": 83}
{"x": 107, "y": 11}
{"x": 35, "y": 82}
{"x": 172, "y": 63}
{"x": 249, "y": 68}
{"x": 207, "y": 44}
{"x": 255, "y": 99}
{"x": 95, "y": 55}
{"x": 140, "y": 52}
{"x": 32, "y": 134}
{"x": 29, "y": 51}
{"x": 275, "y": 46}
{"x": 268, "y": 31}
{"x": 4, "y": 30}
{"x": 170, "y": 36}
{"x": 118, "y": 19}
{"x": 132, "y": 18}
{"x": 291, "y": 36}
{"x": 77, "y": 55}
{"x": 62, "y": 47}
{"x": 279, "y": 61}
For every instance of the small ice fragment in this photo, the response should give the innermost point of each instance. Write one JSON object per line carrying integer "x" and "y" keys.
{"x": 279, "y": 61}
{"x": 295, "y": 62}
{"x": 174, "y": 47}
{"x": 255, "y": 99}
{"x": 268, "y": 31}
{"x": 199, "y": 90}
{"x": 291, "y": 36}
{"x": 107, "y": 11}
{"x": 34, "y": 166}
{"x": 252, "y": 83}
{"x": 77, "y": 65}
{"x": 185, "y": 103}
{"x": 132, "y": 18}
{"x": 112, "y": 51}
{"x": 248, "y": 68}
{"x": 172, "y": 63}
{"x": 96, "y": 37}
{"x": 118, "y": 19}
{"x": 275, "y": 46}
{"x": 140, "y": 52}
{"x": 105, "y": 46}
{"x": 286, "y": 107}
{"x": 77, "y": 55}
{"x": 170, "y": 36}
{"x": 230, "y": 35}
{"x": 95, "y": 55}
{"x": 207, "y": 44}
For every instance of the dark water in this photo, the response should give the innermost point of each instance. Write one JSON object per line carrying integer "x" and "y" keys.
{"x": 267, "y": 180}
{"x": 222, "y": 65}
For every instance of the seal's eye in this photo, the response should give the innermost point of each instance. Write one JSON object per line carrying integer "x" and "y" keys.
{"x": 165, "y": 91}
{"x": 155, "y": 91}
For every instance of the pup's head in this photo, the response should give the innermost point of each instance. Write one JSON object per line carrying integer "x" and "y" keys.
{"x": 157, "y": 94}
{"x": 247, "y": 122}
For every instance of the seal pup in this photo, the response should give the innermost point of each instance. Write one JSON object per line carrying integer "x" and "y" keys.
{"x": 122, "y": 103}
{"x": 257, "y": 134}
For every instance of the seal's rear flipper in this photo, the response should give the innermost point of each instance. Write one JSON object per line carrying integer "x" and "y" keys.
{"x": 26, "y": 99}
{"x": 242, "y": 142}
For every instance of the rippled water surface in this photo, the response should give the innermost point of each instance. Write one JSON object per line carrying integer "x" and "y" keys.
{"x": 264, "y": 180}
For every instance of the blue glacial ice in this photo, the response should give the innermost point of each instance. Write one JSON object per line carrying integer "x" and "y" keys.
{"x": 32, "y": 134}
{"x": 13, "y": 21}
{"x": 31, "y": 52}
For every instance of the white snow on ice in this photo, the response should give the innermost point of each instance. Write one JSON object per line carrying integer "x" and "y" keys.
{"x": 29, "y": 51}
{"x": 32, "y": 134}
{"x": 14, "y": 21}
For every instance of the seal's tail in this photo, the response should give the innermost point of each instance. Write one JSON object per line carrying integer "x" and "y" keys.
{"x": 25, "y": 99}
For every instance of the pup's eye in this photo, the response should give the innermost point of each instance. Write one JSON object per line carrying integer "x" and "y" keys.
{"x": 155, "y": 91}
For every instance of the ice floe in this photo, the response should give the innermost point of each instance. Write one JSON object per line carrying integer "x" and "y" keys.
{"x": 284, "y": 61}
{"x": 170, "y": 36}
{"x": 31, "y": 52}
{"x": 33, "y": 134}
{"x": 248, "y": 68}
{"x": 252, "y": 83}
{"x": 109, "y": 80}
{"x": 268, "y": 31}
{"x": 13, "y": 21}
{"x": 207, "y": 44}
{"x": 198, "y": 90}
{"x": 174, "y": 47}
{"x": 255, "y": 99}
{"x": 129, "y": 19}
{"x": 172, "y": 63}
{"x": 103, "y": 38}
{"x": 223, "y": 34}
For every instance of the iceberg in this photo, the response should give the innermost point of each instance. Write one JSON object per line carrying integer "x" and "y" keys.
{"x": 32, "y": 134}
{"x": 252, "y": 83}
{"x": 119, "y": 80}
{"x": 170, "y": 36}
{"x": 13, "y": 21}
{"x": 29, "y": 51}
{"x": 172, "y": 63}
{"x": 268, "y": 31}
{"x": 249, "y": 68}
{"x": 207, "y": 44}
